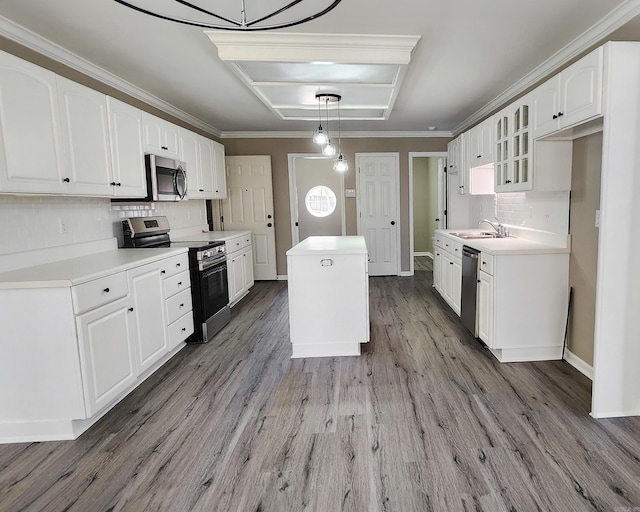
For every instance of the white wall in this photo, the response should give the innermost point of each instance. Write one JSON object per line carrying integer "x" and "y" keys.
{"x": 28, "y": 223}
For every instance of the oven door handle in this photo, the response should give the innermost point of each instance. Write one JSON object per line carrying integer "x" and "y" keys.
{"x": 208, "y": 265}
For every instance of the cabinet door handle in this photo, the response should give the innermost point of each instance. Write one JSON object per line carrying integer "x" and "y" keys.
{"x": 118, "y": 184}
{"x": 177, "y": 265}
{"x": 66, "y": 180}
{"x": 202, "y": 190}
{"x": 560, "y": 114}
{"x": 184, "y": 329}
{"x": 163, "y": 271}
{"x": 555, "y": 116}
{"x": 164, "y": 147}
{"x": 180, "y": 283}
{"x": 113, "y": 183}
{"x": 130, "y": 309}
{"x": 484, "y": 262}
{"x": 451, "y": 263}
{"x": 479, "y": 156}
{"x": 478, "y": 280}
{"x": 461, "y": 186}
{"x": 106, "y": 290}
{"x": 181, "y": 305}
{"x": 326, "y": 262}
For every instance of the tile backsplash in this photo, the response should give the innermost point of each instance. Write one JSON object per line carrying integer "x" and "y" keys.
{"x": 39, "y": 222}
{"x": 544, "y": 211}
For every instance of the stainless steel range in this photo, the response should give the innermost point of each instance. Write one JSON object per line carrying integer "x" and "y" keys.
{"x": 207, "y": 268}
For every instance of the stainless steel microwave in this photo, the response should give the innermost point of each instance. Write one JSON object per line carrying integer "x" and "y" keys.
{"x": 166, "y": 179}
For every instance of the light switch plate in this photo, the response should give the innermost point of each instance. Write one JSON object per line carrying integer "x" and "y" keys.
{"x": 349, "y": 192}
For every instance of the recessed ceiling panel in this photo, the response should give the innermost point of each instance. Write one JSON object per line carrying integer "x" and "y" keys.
{"x": 286, "y": 71}
{"x": 320, "y": 72}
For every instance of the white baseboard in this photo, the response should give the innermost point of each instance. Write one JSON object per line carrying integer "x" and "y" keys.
{"x": 282, "y": 277}
{"x": 584, "y": 368}
{"x": 422, "y": 253}
{"x": 405, "y": 273}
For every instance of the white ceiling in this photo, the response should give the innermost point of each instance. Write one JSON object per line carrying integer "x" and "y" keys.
{"x": 471, "y": 55}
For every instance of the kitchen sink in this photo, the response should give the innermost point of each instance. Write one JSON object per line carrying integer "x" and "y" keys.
{"x": 478, "y": 235}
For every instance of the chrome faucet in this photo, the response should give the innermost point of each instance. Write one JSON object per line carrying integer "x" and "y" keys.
{"x": 499, "y": 228}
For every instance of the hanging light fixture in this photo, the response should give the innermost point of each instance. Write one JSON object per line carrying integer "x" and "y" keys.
{"x": 340, "y": 164}
{"x": 320, "y": 136}
{"x": 221, "y": 22}
{"x": 328, "y": 148}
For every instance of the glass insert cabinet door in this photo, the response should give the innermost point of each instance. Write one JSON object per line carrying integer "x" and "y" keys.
{"x": 513, "y": 148}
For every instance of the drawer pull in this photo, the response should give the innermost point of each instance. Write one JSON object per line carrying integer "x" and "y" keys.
{"x": 177, "y": 265}
{"x": 484, "y": 262}
{"x": 180, "y": 283}
{"x": 184, "y": 329}
{"x": 163, "y": 271}
{"x": 106, "y": 290}
{"x": 326, "y": 262}
{"x": 182, "y": 305}
{"x": 130, "y": 309}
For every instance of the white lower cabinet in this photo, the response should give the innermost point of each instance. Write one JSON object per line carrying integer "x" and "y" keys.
{"x": 449, "y": 270}
{"x": 522, "y": 305}
{"x": 148, "y": 314}
{"x": 485, "y": 308}
{"x": 98, "y": 340}
{"x": 106, "y": 353}
{"x": 239, "y": 266}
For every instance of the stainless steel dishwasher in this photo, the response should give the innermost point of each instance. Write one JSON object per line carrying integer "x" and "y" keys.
{"x": 469, "y": 289}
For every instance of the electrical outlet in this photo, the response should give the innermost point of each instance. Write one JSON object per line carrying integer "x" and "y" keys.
{"x": 62, "y": 225}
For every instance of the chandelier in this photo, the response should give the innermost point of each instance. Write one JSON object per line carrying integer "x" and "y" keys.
{"x": 267, "y": 21}
{"x": 321, "y": 136}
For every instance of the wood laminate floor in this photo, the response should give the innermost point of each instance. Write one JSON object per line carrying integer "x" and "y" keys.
{"x": 426, "y": 419}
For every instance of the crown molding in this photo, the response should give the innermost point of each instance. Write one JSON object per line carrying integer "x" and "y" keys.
{"x": 297, "y": 47}
{"x": 344, "y": 135}
{"x": 596, "y": 33}
{"x": 37, "y": 43}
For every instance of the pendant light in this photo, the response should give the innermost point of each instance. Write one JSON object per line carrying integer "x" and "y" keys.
{"x": 328, "y": 148}
{"x": 320, "y": 136}
{"x": 340, "y": 164}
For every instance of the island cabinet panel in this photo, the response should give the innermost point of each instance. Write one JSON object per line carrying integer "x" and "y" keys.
{"x": 328, "y": 297}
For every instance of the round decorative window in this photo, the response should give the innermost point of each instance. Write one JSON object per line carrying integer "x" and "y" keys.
{"x": 320, "y": 201}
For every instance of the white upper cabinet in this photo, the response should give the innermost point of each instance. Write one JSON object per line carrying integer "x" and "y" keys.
{"x": 454, "y": 155}
{"x": 219, "y": 171}
{"x": 30, "y": 150}
{"x": 571, "y": 97}
{"x": 85, "y": 126}
{"x": 160, "y": 136}
{"x": 481, "y": 142}
{"x": 127, "y": 154}
{"x": 204, "y": 157}
{"x": 513, "y": 162}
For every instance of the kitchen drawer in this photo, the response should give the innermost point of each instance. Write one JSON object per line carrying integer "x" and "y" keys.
{"x": 453, "y": 246}
{"x": 246, "y": 240}
{"x": 235, "y": 244}
{"x": 437, "y": 241}
{"x": 180, "y": 330}
{"x": 486, "y": 263}
{"x": 178, "y": 305}
{"x": 90, "y": 295}
{"x": 174, "y": 265}
{"x": 176, "y": 284}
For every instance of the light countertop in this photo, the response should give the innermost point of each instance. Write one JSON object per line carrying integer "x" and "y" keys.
{"x": 329, "y": 245}
{"x": 74, "y": 271}
{"x": 508, "y": 245}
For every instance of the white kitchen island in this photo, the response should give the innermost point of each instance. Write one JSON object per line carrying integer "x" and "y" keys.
{"x": 328, "y": 296}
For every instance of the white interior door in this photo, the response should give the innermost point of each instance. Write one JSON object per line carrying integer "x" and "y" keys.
{"x": 378, "y": 210}
{"x": 249, "y": 206}
{"x": 442, "y": 165}
{"x": 317, "y": 198}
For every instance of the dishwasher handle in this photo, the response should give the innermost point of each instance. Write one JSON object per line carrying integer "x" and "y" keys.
{"x": 470, "y": 252}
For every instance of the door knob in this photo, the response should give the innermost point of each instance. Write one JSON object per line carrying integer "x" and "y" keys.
{"x": 269, "y": 225}
{"x": 393, "y": 222}
{"x": 269, "y": 216}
